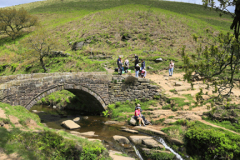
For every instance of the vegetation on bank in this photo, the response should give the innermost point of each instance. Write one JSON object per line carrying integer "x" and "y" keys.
{"x": 45, "y": 143}
{"x": 204, "y": 142}
{"x": 60, "y": 99}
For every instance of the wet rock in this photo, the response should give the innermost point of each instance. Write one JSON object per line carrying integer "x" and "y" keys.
{"x": 77, "y": 134}
{"x": 34, "y": 111}
{"x": 90, "y": 133}
{"x": 148, "y": 151}
{"x": 139, "y": 139}
{"x": 70, "y": 124}
{"x": 175, "y": 141}
{"x": 130, "y": 130}
{"x": 76, "y": 119}
{"x": 110, "y": 122}
{"x": 121, "y": 139}
{"x": 85, "y": 117}
{"x": 151, "y": 143}
{"x": 133, "y": 121}
{"x": 149, "y": 130}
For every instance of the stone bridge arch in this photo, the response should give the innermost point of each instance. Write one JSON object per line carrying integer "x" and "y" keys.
{"x": 26, "y": 90}
{"x": 75, "y": 89}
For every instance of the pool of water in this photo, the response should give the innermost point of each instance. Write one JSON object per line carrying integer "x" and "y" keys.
{"x": 53, "y": 119}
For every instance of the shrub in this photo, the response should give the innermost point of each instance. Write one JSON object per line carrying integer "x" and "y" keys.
{"x": 212, "y": 143}
{"x": 130, "y": 80}
{"x": 160, "y": 156}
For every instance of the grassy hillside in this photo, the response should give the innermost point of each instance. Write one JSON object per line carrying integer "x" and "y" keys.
{"x": 156, "y": 29}
{"x": 42, "y": 142}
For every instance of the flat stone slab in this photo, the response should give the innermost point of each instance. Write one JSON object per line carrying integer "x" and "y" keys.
{"x": 149, "y": 130}
{"x": 70, "y": 124}
{"x": 111, "y": 122}
{"x": 151, "y": 143}
{"x": 167, "y": 121}
{"x": 176, "y": 141}
{"x": 139, "y": 139}
{"x": 130, "y": 131}
{"x": 115, "y": 155}
{"x": 121, "y": 139}
{"x": 76, "y": 119}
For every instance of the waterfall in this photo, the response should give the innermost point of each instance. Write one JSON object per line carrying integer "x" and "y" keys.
{"x": 159, "y": 139}
{"x": 137, "y": 152}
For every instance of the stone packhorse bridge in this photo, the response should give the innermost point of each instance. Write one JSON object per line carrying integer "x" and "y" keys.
{"x": 97, "y": 89}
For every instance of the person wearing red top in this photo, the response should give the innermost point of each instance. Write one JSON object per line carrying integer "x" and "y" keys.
{"x": 138, "y": 117}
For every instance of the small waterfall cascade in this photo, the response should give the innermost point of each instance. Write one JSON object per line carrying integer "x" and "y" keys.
{"x": 159, "y": 139}
{"x": 137, "y": 152}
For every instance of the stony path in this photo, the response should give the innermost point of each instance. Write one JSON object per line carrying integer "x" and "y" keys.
{"x": 167, "y": 84}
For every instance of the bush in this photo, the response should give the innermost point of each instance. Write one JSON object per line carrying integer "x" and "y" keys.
{"x": 130, "y": 80}
{"x": 212, "y": 143}
{"x": 161, "y": 156}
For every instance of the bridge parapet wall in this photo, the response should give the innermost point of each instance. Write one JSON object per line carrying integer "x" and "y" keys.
{"x": 140, "y": 89}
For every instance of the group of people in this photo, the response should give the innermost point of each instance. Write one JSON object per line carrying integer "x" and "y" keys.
{"x": 120, "y": 65}
{"x": 138, "y": 70}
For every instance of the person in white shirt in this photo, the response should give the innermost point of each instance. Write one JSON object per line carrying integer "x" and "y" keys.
{"x": 171, "y": 67}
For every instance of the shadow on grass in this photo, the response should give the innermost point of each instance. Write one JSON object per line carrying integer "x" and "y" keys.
{"x": 9, "y": 40}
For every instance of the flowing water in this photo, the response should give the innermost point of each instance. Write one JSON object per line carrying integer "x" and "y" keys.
{"x": 53, "y": 119}
{"x": 159, "y": 139}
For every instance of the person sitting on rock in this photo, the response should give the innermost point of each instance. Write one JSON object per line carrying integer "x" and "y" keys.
{"x": 138, "y": 117}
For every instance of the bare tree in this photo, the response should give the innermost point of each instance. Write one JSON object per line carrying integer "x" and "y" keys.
{"x": 13, "y": 21}
{"x": 40, "y": 45}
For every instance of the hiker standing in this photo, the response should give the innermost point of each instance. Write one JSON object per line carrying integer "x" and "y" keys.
{"x": 137, "y": 69}
{"x": 126, "y": 63}
{"x": 171, "y": 67}
{"x": 136, "y": 60}
{"x": 120, "y": 66}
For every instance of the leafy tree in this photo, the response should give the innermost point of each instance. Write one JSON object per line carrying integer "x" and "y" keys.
{"x": 218, "y": 64}
{"x": 13, "y": 21}
{"x": 222, "y": 8}
{"x": 40, "y": 45}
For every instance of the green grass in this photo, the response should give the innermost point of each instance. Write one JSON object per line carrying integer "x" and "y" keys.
{"x": 46, "y": 144}
{"x": 160, "y": 29}
{"x": 122, "y": 110}
{"x": 226, "y": 124}
{"x": 20, "y": 112}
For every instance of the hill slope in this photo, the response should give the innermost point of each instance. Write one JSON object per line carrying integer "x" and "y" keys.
{"x": 154, "y": 29}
